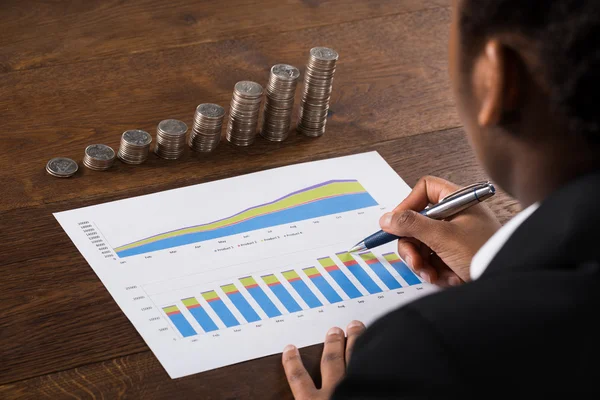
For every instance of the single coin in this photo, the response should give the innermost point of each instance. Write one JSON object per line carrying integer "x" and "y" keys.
{"x": 137, "y": 137}
{"x": 100, "y": 152}
{"x": 285, "y": 71}
{"x": 211, "y": 110}
{"x": 62, "y": 167}
{"x": 324, "y": 53}
{"x": 249, "y": 88}
{"x": 173, "y": 127}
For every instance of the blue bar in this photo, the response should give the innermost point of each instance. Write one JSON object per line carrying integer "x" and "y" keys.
{"x": 223, "y": 312}
{"x": 203, "y": 319}
{"x": 384, "y": 274}
{"x": 285, "y": 297}
{"x": 182, "y": 325}
{"x": 304, "y": 291}
{"x": 364, "y": 278}
{"x": 245, "y": 308}
{"x": 263, "y": 301}
{"x": 344, "y": 282}
{"x": 325, "y": 288}
{"x": 405, "y": 273}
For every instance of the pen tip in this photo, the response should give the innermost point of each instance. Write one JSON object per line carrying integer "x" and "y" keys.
{"x": 357, "y": 248}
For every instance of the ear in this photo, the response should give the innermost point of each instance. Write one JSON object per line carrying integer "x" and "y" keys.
{"x": 497, "y": 86}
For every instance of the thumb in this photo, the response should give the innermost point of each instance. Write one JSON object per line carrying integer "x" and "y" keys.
{"x": 409, "y": 223}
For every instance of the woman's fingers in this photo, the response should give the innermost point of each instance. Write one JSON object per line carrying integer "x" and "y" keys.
{"x": 429, "y": 190}
{"x": 353, "y": 331}
{"x": 409, "y": 252}
{"x": 333, "y": 365}
{"x": 298, "y": 378}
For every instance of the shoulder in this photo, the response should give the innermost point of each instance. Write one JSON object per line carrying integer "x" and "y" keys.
{"x": 505, "y": 327}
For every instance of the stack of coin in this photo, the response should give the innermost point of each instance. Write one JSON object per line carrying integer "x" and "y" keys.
{"x": 134, "y": 146}
{"x": 279, "y": 102}
{"x": 61, "y": 167}
{"x": 206, "y": 132}
{"x": 170, "y": 139}
{"x": 318, "y": 80}
{"x": 243, "y": 115}
{"x": 99, "y": 157}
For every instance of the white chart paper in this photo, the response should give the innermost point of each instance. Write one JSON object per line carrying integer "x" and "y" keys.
{"x": 232, "y": 270}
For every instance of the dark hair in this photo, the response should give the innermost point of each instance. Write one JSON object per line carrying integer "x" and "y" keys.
{"x": 566, "y": 37}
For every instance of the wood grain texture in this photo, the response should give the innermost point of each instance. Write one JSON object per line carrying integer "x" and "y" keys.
{"x": 56, "y": 33}
{"x": 391, "y": 82}
{"x": 79, "y": 323}
{"x": 140, "y": 376}
{"x": 81, "y": 72}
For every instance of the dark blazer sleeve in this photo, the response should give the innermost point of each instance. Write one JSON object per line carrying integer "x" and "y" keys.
{"x": 400, "y": 356}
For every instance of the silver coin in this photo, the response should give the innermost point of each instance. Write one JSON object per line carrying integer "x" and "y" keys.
{"x": 62, "y": 167}
{"x": 100, "y": 152}
{"x": 137, "y": 137}
{"x": 324, "y": 53}
{"x": 285, "y": 71}
{"x": 211, "y": 110}
{"x": 249, "y": 88}
{"x": 173, "y": 127}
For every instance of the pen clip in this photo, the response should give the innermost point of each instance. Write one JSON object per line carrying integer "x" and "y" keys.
{"x": 457, "y": 193}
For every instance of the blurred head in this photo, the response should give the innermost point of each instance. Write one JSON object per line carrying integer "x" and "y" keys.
{"x": 526, "y": 79}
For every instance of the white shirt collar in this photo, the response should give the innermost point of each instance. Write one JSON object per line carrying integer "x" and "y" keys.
{"x": 488, "y": 251}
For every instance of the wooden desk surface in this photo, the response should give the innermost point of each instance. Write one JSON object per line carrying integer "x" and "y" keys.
{"x": 81, "y": 72}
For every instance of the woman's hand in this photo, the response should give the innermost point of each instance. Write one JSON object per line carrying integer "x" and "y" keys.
{"x": 336, "y": 353}
{"x": 438, "y": 251}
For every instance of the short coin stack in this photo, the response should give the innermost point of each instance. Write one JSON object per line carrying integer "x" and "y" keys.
{"x": 134, "y": 146}
{"x": 206, "y": 132}
{"x": 243, "y": 114}
{"x": 318, "y": 80}
{"x": 99, "y": 157}
{"x": 62, "y": 167}
{"x": 170, "y": 139}
{"x": 279, "y": 102}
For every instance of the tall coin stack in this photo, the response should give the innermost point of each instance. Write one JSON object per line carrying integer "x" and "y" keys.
{"x": 98, "y": 157}
{"x": 206, "y": 132}
{"x": 318, "y": 80}
{"x": 134, "y": 146}
{"x": 279, "y": 102}
{"x": 243, "y": 114}
{"x": 170, "y": 139}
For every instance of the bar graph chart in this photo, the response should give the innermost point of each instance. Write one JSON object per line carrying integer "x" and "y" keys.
{"x": 182, "y": 324}
{"x": 386, "y": 277}
{"x": 302, "y": 288}
{"x": 402, "y": 269}
{"x": 358, "y": 272}
{"x": 199, "y": 314}
{"x": 348, "y": 280}
{"x": 323, "y": 286}
{"x": 341, "y": 279}
{"x": 282, "y": 293}
{"x": 240, "y": 302}
{"x": 215, "y": 302}
{"x": 259, "y": 295}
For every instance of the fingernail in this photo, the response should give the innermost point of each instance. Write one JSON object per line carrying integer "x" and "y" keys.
{"x": 289, "y": 347}
{"x": 334, "y": 331}
{"x": 354, "y": 324}
{"x": 425, "y": 276}
{"x": 408, "y": 261}
{"x": 453, "y": 281}
{"x": 386, "y": 220}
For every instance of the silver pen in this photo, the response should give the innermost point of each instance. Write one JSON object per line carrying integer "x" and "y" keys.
{"x": 450, "y": 205}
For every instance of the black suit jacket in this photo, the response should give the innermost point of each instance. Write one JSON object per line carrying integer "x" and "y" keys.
{"x": 528, "y": 325}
